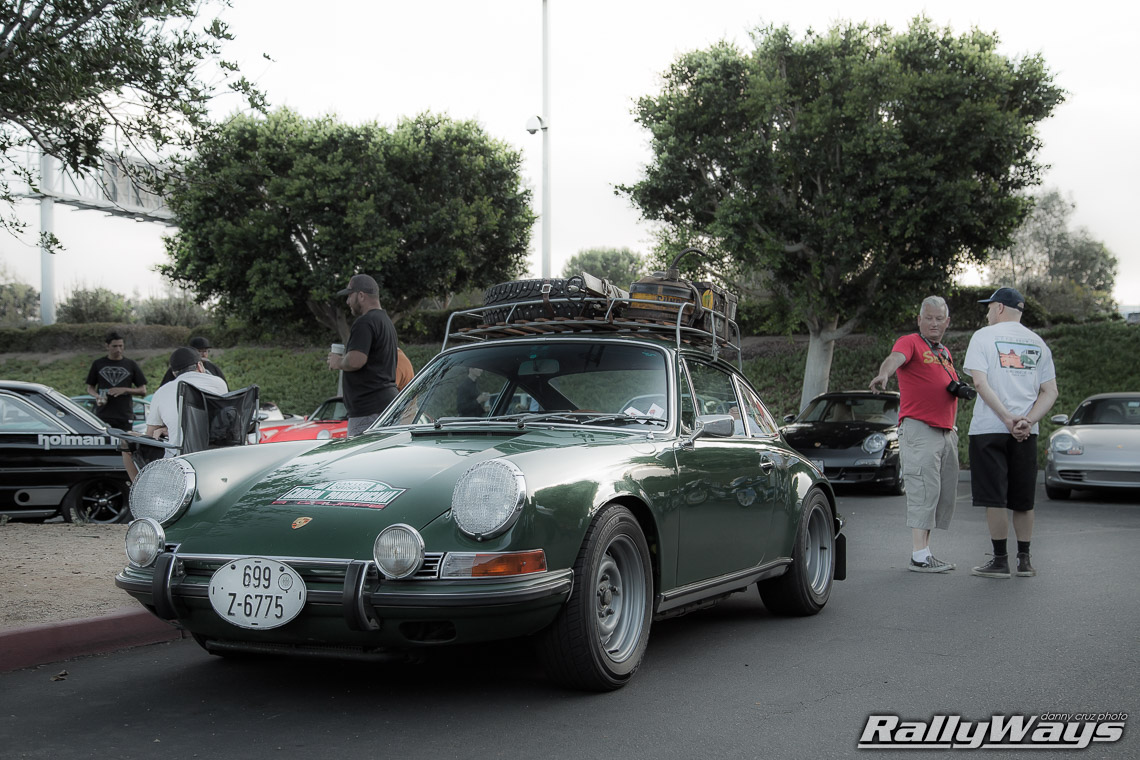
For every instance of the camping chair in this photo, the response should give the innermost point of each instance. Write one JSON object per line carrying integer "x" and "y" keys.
{"x": 207, "y": 420}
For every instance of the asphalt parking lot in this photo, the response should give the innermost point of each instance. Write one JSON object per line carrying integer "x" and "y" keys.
{"x": 730, "y": 682}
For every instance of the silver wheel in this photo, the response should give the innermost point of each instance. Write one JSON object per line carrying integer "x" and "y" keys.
{"x": 620, "y": 595}
{"x": 819, "y": 554}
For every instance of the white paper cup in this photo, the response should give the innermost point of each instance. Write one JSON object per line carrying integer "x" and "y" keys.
{"x": 337, "y": 348}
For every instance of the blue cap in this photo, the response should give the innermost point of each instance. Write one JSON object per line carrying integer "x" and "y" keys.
{"x": 1008, "y": 297}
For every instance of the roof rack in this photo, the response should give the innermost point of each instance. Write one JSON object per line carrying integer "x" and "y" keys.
{"x": 599, "y": 316}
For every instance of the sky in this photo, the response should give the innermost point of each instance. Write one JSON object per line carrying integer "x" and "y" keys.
{"x": 382, "y": 60}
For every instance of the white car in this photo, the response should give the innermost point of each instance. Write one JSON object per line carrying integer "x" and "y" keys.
{"x": 1098, "y": 449}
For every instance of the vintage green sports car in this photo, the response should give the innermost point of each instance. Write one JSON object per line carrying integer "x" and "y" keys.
{"x": 572, "y": 481}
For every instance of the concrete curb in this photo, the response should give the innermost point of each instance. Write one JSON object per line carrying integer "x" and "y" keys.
{"x": 51, "y": 642}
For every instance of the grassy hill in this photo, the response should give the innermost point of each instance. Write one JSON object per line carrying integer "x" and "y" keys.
{"x": 1094, "y": 358}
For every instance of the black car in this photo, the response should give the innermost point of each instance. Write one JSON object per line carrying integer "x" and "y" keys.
{"x": 852, "y": 436}
{"x": 57, "y": 458}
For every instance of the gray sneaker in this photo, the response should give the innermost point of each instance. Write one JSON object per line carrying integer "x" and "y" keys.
{"x": 997, "y": 567}
{"x": 1024, "y": 569}
{"x": 931, "y": 565}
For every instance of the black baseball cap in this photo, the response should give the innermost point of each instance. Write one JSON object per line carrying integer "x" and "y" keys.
{"x": 361, "y": 283}
{"x": 1008, "y": 297}
{"x": 183, "y": 358}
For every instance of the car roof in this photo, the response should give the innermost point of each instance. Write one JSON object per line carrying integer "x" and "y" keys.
{"x": 1122, "y": 394}
{"x": 20, "y": 385}
{"x": 860, "y": 394}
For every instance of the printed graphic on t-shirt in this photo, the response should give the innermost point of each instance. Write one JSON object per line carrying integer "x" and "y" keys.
{"x": 1017, "y": 355}
{"x": 114, "y": 375}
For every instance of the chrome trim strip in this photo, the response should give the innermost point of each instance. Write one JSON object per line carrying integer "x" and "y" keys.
{"x": 722, "y": 584}
{"x": 549, "y": 584}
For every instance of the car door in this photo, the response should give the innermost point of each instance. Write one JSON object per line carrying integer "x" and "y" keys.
{"x": 724, "y": 484}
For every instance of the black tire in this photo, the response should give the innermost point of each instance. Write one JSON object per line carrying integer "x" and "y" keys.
{"x": 805, "y": 588}
{"x": 506, "y": 293}
{"x": 598, "y": 640}
{"x": 99, "y": 500}
{"x": 1057, "y": 493}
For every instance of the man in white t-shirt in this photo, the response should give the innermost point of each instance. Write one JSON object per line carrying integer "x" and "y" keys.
{"x": 186, "y": 364}
{"x": 1013, "y": 371}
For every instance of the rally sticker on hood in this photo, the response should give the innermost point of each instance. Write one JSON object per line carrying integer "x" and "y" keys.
{"x": 343, "y": 493}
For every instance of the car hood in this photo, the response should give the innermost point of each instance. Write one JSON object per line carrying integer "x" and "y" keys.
{"x": 254, "y": 503}
{"x": 1125, "y": 438}
{"x": 832, "y": 435}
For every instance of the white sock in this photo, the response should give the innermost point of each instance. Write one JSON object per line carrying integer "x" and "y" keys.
{"x": 921, "y": 555}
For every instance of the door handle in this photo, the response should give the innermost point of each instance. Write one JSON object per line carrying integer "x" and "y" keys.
{"x": 766, "y": 464}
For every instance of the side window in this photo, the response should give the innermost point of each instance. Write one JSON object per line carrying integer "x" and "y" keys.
{"x": 760, "y": 420}
{"x": 716, "y": 393}
{"x": 688, "y": 411}
{"x": 18, "y": 416}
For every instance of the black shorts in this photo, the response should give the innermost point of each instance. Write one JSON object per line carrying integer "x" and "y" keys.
{"x": 1003, "y": 471}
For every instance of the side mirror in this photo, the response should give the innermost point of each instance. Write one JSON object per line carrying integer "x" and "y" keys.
{"x": 789, "y": 417}
{"x": 714, "y": 425}
{"x": 1060, "y": 419}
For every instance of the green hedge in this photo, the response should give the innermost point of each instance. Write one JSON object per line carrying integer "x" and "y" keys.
{"x": 1090, "y": 358}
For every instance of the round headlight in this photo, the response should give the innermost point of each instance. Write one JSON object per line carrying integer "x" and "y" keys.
{"x": 488, "y": 498}
{"x": 163, "y": 490}
{"x": 874, "y": 443}
{"x": 145, "y": 541}
{"x": 324, "y": 434}
{"x": 1063, "y": 443}
{"x": 398, "y": 551}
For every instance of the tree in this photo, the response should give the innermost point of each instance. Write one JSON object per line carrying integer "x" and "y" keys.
{"x": 852, "y": 171}
{"x": 621, "y": 266}
{"x": 79, "y": 74}
{"x": 1066, "y": 270}
{"x": 275, "y": 214}
{"x": 19, "y": 302}
{"x": 95, "y": 305}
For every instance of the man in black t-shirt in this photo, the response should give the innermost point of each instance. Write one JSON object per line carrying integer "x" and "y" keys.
{"x": 369, "y": 360}
{"x": 114, "y": 381}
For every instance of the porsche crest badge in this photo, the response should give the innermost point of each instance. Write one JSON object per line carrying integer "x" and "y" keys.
{"x": 301, "y": 522}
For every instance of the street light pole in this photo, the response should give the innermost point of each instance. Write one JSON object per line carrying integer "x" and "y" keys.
{"x": 545, "y": 142}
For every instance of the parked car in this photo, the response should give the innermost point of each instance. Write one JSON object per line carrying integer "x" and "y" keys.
{"x": 617, "y": 502}
{"x": 271, "y": 420}
{"x": 139, "y": 407}
{"x": 852, "y": 437}
{"x": 56, "y": 458}
{"x": 1098, "y": 449}
{"x": 329, "y": 420}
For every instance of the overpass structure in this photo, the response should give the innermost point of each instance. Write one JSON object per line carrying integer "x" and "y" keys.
{"x": 112, "y": 189}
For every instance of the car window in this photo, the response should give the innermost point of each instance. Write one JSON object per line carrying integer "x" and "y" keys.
{"x": 19, "y": 416}
{"x": 1108, "y": 411}
{"x": 760, "y": 420}
{"x": 524, "y": 378}
{"x": 330, "y": 411}
{"x": 716, "y": 394}
{"x": 876, "y": 409}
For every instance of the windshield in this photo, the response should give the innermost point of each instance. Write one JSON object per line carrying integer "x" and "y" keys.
{"x": 1108, "y": 411}
{"x": 332, "y": 410}
{"x": 587, "y": 383}
{"x": 880, "y": 410}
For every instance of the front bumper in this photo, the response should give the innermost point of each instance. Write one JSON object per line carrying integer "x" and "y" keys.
{"x": 1091, "y": 476}
{"x": 844, "y": 470}
{"x": 349, "y": 603}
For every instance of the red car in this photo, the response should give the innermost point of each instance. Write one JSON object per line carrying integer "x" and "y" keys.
{"x": 330, "y": 420}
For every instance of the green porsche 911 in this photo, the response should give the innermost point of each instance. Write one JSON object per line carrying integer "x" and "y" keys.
{"x": 570, "y": 480}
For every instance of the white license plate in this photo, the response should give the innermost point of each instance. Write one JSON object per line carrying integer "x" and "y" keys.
{"x": 257, "y": 593}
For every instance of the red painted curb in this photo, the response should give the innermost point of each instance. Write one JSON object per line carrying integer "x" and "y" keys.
{"x": 52, "y": 642}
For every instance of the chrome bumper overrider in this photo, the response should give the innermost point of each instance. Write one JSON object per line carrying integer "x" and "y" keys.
{"x": 355, "y": 586}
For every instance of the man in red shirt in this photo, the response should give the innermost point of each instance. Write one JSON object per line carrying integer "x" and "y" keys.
{"x": 927, "y": 435}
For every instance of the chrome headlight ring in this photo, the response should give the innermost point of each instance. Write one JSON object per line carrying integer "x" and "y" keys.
{"x": 874, "y": 443}
{"x": 164, "y": 489}
{"x": 488, "y": 498}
